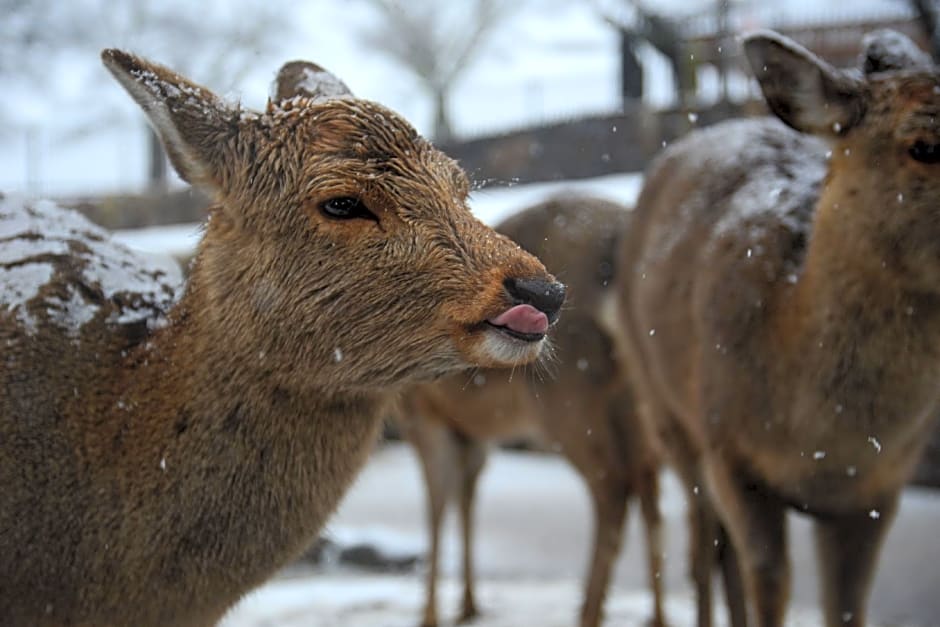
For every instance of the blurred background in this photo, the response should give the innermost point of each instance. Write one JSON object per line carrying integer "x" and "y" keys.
{"x": 520, "y": 90}
{"x": 531, "y": 96}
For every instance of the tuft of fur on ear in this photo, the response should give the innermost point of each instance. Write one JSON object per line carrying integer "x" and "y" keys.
{"x": 887, "y": 50}
{"x": 804, "y": 91}
{"x": 193, "y": 123}
{"x": 303, "y": 78}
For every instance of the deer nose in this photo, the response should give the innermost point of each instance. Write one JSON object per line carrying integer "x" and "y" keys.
{"x": 546, "y": 296}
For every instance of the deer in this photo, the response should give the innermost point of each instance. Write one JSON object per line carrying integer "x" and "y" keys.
{"x": 163, "y": 454}
{"x": 580, "y": 407}
{"x": 778, "y": 297}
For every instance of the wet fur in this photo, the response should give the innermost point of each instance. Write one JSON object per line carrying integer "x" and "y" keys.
{"x": 152, "y": 478}
{"x": 789, "y": 356}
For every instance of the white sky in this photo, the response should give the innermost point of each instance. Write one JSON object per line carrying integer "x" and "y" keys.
{"x": 551, "y": 60}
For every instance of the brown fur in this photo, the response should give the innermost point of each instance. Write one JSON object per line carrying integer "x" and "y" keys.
{"x": 580, "y": 407}
{"x": 152, "y": 478}
{"x": 789, "y": 354}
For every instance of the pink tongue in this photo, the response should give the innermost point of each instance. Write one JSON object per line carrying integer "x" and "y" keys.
{"x": 522, "y": 319}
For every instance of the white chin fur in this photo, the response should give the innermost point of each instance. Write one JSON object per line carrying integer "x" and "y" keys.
{"x": 498, "y": 347}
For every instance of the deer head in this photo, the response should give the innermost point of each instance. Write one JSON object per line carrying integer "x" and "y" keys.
{"x": 348, "y": 232}
{"x": 885, "y": 121}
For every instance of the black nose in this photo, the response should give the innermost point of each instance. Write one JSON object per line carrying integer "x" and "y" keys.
{"x": 546, "y": 296}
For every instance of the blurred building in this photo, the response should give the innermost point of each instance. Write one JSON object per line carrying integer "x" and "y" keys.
{"x": 707, "y": 75}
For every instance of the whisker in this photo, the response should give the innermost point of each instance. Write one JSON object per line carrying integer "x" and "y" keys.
{"x": 473, "y": 372}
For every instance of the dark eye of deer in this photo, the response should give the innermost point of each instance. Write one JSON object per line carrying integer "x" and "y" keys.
{"x": 924, "y": 152}
{"x": 346, "y": 208}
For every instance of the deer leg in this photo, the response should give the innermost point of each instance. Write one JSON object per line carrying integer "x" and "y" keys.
{"x": 701, "y": 516}
{"x": 703, "y": 527}
{"x": 436, "y": 449}
{"x": 610, "y": 509}
{"x": 472, "y": 459}
{"x": 710, "y": 544}
{"x": 731, "y": 574}
{"x": 652, "y": 520}
{"x": 756, "y": 523}
{"x": 847, "y": 548}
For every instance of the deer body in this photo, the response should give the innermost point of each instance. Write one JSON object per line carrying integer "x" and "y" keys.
{"x": 788, "y": 331}
{"x": 579, "y": 408}
{"x": 781, "y": 311}
{"x": 159, "y": 459}
{"x": 191, "y": 480}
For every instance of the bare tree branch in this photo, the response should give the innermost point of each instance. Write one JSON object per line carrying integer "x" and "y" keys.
{"x": 40, "y": 40}
{"x": 435, "y": 41}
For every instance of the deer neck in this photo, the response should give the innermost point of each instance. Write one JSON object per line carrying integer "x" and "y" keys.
{"x": 855, "y": 306}
{"x": 232, "y": 454}
{"x": 850, "y": 262}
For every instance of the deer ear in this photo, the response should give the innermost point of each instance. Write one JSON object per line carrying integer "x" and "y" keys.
{"x": 302, "y": 78}
{"x": 196, "y": 127}
{"x": 804, "y": 91}
{"x": 886, "y": 50}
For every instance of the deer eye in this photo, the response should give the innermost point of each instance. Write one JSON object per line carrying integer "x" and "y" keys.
{"x": 346, "y": 208}
{"x": 924, "y": 152}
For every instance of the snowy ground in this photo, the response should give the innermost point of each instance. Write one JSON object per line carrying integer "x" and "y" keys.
{"x": 394, "y": 601}
{"x": 534, "y": 528}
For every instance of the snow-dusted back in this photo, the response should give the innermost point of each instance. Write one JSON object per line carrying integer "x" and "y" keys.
{"x": 58, "y": 266}
{"x": 778, "y": 172}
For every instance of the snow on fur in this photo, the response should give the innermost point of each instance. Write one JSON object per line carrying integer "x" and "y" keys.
{"x": 57, "y": 265}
